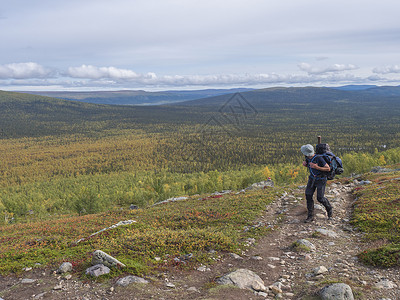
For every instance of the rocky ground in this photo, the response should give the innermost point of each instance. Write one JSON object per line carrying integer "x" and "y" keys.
{"x": 285, "y": 271}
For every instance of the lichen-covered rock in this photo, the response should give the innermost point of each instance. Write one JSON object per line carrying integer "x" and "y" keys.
{"x": 336, "y": 291}
{"x": 97, "y": 270}
{"x": 65, "y": 267}
{"x": 131, "y": 279}
{"x": 326, "y": 232}
{"x": 304, "y": 245}
{"x": 244, "y": 279}
{"x": 100, "y": 257}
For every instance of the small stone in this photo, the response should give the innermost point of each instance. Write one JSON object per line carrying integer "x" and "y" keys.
{"x": 38, "y": 296}
{"x": 271, "y": 266}
{"x": 304, "y": 245}
{"x": 276, "y": 290}
{"x": 193, "y": 289}
{"x": 235, "y": 256}
{"x": 258, "y": 286}
{"x": 262, "y": 294}
{"x": 58, "y": 287}
{"x": 27, "y": 269}
{"x": 256, "y": 258}
{"x": 157, "y": 258}
{"x": 203, "y": 269}
{"x": 273, "y": 258}
{"x": 68, "y": 277}
{"x": 130, "y": 279}
{"x": 320, "y": 270}
{"x": 326, "y": 232}
{"x": 289, "y": 295}
{"x": 27, "y": 281}
{"x": 385, "y": 284}
{"x": 170, "y": 285}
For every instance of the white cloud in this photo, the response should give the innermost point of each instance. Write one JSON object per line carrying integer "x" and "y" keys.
{"x": 23, "y": 71}
{"x": 387, "y": 69}
{"x": 326, "y": 69}
{"x": 92, "y": 72}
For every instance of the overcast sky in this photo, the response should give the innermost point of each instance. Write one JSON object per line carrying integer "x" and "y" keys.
{"x": 190, "y": 44}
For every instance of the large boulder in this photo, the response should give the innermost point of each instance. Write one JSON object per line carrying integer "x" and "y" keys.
{"x": 97, "y": 270}
{"x": 65, "y": 267}
{"x": 243, "y": 279}
{"x": 100, "y": 257}
{"x": 336, "y": 291}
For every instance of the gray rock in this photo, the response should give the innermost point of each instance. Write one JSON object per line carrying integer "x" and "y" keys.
{"x": 363, "y": 182}
{"x": 38, "y": 296}
{"x": 243, "y": 279}
{"x": 320, "y": 270}
{"x": 327, "y": 232}
{"x": 65, "y": 267}
{"x": 261, "y": 185}
{"x": 130, "y": 279}
{"x": 385, "y": 284}
{"x": 203, "y": 268}
{"x": 100, "y": 257}
{"x": 193, "y": 289}
{"x": 306, "y": 244}
{"x": 27, "y": 280}
{"x": 97, "y": 270}
{"x": 174, "y": 199}
{"x": 132, "y": 207}
{"x": 235, "y": 256}
{"x": 336, "y": 291}
{"x": 381, "y": 170}
{"x": 256, "y": 257}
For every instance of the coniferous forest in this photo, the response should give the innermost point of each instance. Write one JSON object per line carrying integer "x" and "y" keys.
{"x": 65, "y": 157}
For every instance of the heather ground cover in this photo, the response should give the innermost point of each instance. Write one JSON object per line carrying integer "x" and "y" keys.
{"x": 377, "y": 213}
{"x": 196, "y": 225}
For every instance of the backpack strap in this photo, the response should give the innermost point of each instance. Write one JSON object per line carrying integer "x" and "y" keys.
{"x": 311, "y": 172}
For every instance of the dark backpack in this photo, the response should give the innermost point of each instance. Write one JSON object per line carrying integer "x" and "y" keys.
{"x": 334, "y": 162}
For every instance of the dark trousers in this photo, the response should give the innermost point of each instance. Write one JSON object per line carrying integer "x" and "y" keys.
{"x": 319, "y": 185}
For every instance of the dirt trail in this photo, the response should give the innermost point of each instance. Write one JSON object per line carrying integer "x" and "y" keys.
{"x": 272, "y": 258}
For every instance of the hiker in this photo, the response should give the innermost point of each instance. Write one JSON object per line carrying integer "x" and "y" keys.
{"x": 316, "y": 181}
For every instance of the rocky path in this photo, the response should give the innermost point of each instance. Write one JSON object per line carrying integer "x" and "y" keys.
{"x": 284, "y": 271}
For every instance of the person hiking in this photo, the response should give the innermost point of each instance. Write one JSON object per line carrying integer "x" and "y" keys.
{"x": 317, "y": 165}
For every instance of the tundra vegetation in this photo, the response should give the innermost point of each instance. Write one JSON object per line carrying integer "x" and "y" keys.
{"x": 68, "y": 169}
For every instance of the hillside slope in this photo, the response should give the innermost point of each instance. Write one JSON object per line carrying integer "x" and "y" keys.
{"x": 168, "y": 238}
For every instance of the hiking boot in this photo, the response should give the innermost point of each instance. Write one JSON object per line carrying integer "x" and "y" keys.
{"x": 329, "y": 212}
{"x": 309, "y": 219}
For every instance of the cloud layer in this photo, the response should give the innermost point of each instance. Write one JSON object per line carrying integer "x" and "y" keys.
{"x": 109, "y": 77}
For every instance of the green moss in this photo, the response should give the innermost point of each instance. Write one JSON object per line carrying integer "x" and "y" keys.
{"x": 386, "y": 256}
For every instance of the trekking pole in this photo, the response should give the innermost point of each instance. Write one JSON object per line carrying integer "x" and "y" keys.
{"x": 319, "y": 139}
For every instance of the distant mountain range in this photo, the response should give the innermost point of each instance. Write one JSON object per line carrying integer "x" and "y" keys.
{"x": 137, "y": 97}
